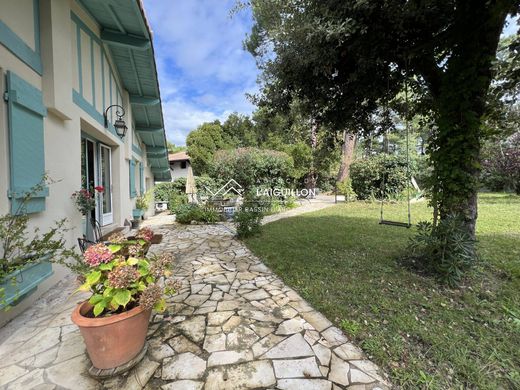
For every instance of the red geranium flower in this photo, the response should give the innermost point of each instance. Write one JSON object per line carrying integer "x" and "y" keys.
{"x": 99, "y": 188}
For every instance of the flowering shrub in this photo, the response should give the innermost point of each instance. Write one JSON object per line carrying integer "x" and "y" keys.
{"x": 97, "y": 254}
{"x": 118, "y": 284}
{"x": 145, "y": 234}
{"x": 85, "y": 201}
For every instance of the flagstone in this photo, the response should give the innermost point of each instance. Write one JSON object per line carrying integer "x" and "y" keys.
{"x": 251, "y": 375}
{"x": 183, "y": 385}
{"x": 294, "y": 346}
{"x": 194, "y": 328}
{"x": 215, "y": 342}
{"x": 294, "y": 368}
{"x": 303, "y": 384}
{"x": 339, "y": 370}
{"x": 183, "y": 366}
{"x": 219, "y": 317}
{"x": 181, "y": 344}
{"x": 10, "y": 373}
{"x": 229, "y": 357}
{"x": 294, "y": 325}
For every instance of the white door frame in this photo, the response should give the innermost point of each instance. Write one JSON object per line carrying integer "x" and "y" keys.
{"x": 105, "y": 218}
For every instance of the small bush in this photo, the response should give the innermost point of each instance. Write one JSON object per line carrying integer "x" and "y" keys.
{"x": 446, "y": 250}
{"x": 192, "y": 212}
{"x": 345, "y": 188}
{"x": 248, "y": 221}
{"x": 176, "y": 200}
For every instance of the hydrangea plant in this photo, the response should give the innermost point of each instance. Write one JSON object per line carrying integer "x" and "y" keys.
{"x": 119, "y": 284}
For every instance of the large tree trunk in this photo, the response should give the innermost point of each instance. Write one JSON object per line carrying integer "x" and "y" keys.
{"x": 347, "y": 155}
{"x": 460, "y": 101}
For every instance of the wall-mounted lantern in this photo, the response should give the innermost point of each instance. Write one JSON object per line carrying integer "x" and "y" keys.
{"x": 119, "y": 123}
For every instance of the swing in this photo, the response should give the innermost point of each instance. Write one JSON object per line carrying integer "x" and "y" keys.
{"x": 382, "y": 220}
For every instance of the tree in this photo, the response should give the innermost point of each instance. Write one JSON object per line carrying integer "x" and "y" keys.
{"x": 202, "y": 144}
{"x": 240, "y": 130}
{"x": 344, "y": 59}
{"x": 172, "y": 148}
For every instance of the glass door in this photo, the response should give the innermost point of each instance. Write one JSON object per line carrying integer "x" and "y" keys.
{"x": 105, "y": 180}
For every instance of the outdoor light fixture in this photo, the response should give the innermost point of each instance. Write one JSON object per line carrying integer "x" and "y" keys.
{"x": 119, "y": 124}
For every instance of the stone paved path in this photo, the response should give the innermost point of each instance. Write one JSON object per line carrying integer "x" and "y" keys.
{"x": 233, "y": 325}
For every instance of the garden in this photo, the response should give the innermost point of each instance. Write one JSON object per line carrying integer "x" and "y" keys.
{"x": 361, "y": 275}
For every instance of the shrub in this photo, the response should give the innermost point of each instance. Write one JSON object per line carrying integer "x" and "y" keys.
{"x": 176, "y": 200}
{"x": 252, "y": 167}
{"x": 345, "y": 188}
{"x": 248, "y": 220}
{"x": 367, "y": 176}
{"x": 446, "y": 249}
{"x": 501, "y": 165}
{"x": 192, "y": 212}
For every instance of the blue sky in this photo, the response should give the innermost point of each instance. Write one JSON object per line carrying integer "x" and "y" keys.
{"x": 204, "y": 72}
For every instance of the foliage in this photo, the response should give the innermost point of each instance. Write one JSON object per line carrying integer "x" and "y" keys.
{"x": 175, "y": 192}
{"x": 348, "y": 267}
{"x": 252, "y": 167}
{"x": 345, "y": 188}
{"x": 172, "y": 148}
{"x": 19, "y": 246}
{"x": 345, "y": 60}
{"x": 368, "y": 174}
{"x": 501, "y": 164}
{"x": 193, "y": 212}
{"x": 202, "y": 144}
{"x": 142, "y": 202}
{"x": 119, "y": 284}
{"x": 445, "y": 249}
{"x": 248, "y": 219}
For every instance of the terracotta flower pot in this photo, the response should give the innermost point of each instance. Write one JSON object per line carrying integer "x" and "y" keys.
{"x": 115, "y": 340}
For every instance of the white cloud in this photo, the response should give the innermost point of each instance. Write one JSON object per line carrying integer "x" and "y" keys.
{"x": 204, "y": 72}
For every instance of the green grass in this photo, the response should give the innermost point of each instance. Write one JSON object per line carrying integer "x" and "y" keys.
{"x": 423, "y": 334}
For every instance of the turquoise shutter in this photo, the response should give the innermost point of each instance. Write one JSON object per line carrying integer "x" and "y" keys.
{"x": 133, "y": 193}
{"x": 26, "y": 144}
{"x": 141, "y": 178}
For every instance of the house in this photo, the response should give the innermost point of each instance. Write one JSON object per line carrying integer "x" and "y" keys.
{"x": 179, "y": 164}
{"x": 69, "y": 69}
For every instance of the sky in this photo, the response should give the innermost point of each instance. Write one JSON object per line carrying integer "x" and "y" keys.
{"x": 204, "y": 72}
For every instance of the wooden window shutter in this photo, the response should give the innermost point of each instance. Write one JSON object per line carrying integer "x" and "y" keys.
{"x": 26, "y": 144}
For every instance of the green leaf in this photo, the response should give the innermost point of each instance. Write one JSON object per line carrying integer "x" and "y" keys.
{"x": 98, "y": 308}
{"x": 160, "y": 305}
{"x": 115, "y": 248}
{"x": 132, "y": 261}
{"x": 95, "y": 299}
{"x": 108, "y": 292}
{"x": 106, "y": 266}
{"x": 93, "y": 277}
{"x": 122, "y": 297}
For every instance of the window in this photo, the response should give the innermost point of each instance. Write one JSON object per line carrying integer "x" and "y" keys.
{"x": 183, "y": 164}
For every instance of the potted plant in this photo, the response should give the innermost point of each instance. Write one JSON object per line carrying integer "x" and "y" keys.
{"x": 86, "y": 202}
{"x": 114, "y": 320}
{"x": 141, "y": 205}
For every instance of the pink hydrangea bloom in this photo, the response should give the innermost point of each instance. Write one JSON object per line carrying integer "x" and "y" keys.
{"x": 145, "y": 234}
{"x": 97, "y": 254}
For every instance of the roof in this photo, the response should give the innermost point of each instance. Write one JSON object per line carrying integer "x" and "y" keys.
{"x": 179, "y": 156}
{"x": 126, "y": 33}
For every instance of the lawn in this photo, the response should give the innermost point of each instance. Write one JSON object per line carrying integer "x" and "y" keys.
{"x": 423, "y": 334}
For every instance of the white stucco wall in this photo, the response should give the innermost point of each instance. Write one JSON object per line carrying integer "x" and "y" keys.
{"x": 66, "y": 120}
{"x": 177, "y": 171}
